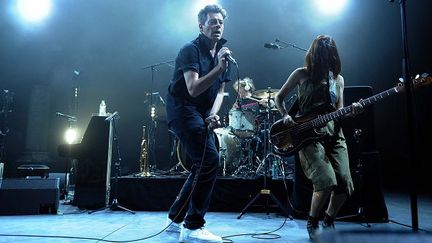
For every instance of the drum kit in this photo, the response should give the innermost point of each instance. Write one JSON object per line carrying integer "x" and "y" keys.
{"x": 242, "y": 142}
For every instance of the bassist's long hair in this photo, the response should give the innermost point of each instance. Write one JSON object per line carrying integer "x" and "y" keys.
{"x": 322, "y": 57}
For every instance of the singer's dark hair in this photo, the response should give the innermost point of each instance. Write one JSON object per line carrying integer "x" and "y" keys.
{"x": 202, "y": 15}
{"x": 322, "y": 57}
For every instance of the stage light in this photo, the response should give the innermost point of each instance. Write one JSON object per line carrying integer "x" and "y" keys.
{"x": 330, "y": 7}
{"x": 71, "y": 135}
{"x": 34, "y": 10}
{"x": 153, "y": 112}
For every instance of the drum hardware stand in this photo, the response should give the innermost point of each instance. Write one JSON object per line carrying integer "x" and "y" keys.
{"x": 359, "y": 170}
{"x": 222, "y": 156}
{"x": 113, "y": 138}
{"x": 175, "y": 154}
{"x": 246, "y": 160}
{"x": 265, "y": 191}
{"x": 151, "y": 141}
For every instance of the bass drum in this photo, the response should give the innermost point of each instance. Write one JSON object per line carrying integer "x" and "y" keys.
{"x": 229, "y": 148}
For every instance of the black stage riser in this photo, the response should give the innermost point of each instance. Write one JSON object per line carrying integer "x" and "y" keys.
{"x": 229, "y": 195}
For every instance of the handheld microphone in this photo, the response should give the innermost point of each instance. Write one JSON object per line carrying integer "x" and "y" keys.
{"x": 272, "y": 46}
{"x": 229, "y": 58}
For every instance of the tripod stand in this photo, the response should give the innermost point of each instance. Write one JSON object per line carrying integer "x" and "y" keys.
{"x": 359, "y": 171}
{"x": 113, "y": 138}
{"x": 265, "y": 192}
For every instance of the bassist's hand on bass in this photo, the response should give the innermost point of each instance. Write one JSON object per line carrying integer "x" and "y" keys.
{"x": 288, "y": 120}
{"x": 356, "y": 109}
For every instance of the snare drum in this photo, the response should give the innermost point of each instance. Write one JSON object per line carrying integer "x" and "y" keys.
{"x": 242, "y": 122}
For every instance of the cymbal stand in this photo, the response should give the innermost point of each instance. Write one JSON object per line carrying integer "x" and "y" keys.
{"x": 265, "y": 163}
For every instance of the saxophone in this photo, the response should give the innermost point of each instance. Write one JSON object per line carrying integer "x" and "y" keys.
{"x": 144, "y": 165}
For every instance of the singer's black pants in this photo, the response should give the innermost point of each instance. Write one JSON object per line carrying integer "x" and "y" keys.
{"x": 188, "y": 207}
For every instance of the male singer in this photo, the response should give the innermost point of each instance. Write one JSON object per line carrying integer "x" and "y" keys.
{"x": 194, "y": 98}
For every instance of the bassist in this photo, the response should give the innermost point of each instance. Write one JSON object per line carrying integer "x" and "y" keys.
{"x": 324, "y": 161}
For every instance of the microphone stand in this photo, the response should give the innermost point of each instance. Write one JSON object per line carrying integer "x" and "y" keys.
{"x": 238, "y": 94}
{"x": 268, "y": 158}
{"x": 412, "y": 133}
{"x": 359, "y": 173}
{"x": 113, "y": 139}
{"x": 70, "y": 164}
{"x": 152, "y": 128}
{"x": 290, "y": 44}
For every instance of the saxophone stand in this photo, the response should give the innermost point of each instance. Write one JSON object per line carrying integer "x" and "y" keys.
{"x": 359, "y": 171}
{"x": 113, "y": 138}
{"x": 144, "y": 165}
{"x": 265, "y": 192}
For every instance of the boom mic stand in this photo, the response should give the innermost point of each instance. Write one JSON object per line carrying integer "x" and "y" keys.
{"x": 290, "y": 44}
{"x": 151, "y": 129}
{"x": 70, "y": 164}
{"x": 412, "y": 142}
{"x": 265, "y": 191}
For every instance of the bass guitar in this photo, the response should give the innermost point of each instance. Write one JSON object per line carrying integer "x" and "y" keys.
{"x": 287, "y": 139}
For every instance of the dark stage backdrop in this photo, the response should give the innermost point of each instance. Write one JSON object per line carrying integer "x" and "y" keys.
{"x": 102, "y": 46}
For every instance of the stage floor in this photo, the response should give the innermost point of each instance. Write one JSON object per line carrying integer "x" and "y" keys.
{"x": 74, "y": 225}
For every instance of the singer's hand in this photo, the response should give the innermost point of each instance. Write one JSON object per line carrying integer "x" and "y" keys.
{"x": 223, "y": 52}
{"x": 213, "y": 121}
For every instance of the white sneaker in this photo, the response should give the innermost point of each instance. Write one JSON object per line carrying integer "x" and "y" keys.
{"x": 173, "y": 227}
{"x": 199, "y": 235}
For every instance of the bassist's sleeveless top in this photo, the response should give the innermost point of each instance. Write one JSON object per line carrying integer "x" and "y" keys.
{"x": 314, "y": 94}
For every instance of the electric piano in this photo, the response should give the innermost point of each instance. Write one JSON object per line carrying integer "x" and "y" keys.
{"x": 93, "y": 160}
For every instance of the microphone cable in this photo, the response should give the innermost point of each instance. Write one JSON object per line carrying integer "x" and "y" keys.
{"x": 187, "y": 201}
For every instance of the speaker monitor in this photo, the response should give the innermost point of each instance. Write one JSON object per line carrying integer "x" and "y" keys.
{"x": 368, "y": 195}
{"x": 29, "y": 196}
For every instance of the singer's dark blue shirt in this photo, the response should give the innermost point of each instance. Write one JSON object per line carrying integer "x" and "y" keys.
{"x": 182, "y": 109}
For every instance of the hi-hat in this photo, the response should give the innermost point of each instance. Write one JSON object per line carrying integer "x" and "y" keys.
{"x": 265, "y": 93}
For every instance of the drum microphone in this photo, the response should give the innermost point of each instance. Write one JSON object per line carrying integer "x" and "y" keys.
{"x": 272, "y": 46}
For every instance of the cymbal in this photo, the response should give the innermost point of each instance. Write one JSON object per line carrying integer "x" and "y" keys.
{"x": 265, "y": 93}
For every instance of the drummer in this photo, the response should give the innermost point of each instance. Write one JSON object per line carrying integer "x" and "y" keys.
{"x": 245, "y": 88}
